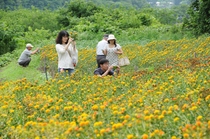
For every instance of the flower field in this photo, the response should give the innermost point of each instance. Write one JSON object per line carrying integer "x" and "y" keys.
{"x": 163, "y": 94}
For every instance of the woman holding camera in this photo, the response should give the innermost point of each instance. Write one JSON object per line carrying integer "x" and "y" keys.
{"x": 67, "y": 52}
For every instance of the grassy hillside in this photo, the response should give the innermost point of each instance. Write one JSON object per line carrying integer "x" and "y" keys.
{"x": 14, "y": 72}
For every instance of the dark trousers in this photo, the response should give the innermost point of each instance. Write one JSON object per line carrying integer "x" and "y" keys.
{"x": 25, "y": 63}
{"x": 98, "y": 58}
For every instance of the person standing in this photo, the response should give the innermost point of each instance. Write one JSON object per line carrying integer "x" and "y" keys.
{"x": 112, "y": 50}
{"x": 25, "y": 57}
{"x": 100, "y": 46}
{"x": 67, "y": 53}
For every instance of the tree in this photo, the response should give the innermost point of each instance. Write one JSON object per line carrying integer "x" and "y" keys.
{"x": 7, "y": 43}
{"x": 76, "y": 9}
{"x": 199, "y": 21}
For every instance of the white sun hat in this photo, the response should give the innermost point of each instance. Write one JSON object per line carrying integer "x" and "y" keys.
{"x": 111, "y": 37}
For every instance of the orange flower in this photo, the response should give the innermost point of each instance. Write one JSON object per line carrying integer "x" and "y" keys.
{"x": 145, "y": 136}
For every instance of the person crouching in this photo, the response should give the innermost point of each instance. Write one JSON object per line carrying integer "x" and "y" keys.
{"x": 25, "y": 57}
{"x": 105, "y": 69}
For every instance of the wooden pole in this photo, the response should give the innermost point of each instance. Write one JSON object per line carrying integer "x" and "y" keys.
{"x": 167, "y": 63}
{"x": 45, "y": 68}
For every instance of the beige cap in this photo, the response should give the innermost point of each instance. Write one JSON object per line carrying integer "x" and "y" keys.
{"x": 29, "y": 45}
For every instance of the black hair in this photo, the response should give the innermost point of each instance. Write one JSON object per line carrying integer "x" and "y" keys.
{"x": 60, "y": 35}
{"x": 114, "y": 42}
{"x": 102, "y": 61}
{"x": 106, "y": 35}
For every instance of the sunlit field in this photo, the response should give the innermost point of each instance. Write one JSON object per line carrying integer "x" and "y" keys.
{"x": 163, "y": 94}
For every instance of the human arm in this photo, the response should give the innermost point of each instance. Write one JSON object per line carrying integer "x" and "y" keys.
{"x": 61, "y": 49}
{"x": 70, "y": 42}
{"x": 107, "y": 72}
{"x": 119, "y": 50}
{"x": 73, "y": 45}
{"x": 35, "y": 51}
{"x": 73, "y": 53}
{"x": 104, "y": 51}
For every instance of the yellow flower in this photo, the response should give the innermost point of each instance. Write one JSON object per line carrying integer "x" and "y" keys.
{"x": 161, "y": 116}
{"x": 173, "y": 137}
{"x": 186, "y": 135}
{"x": 169, "y": 112}
{"x": 199, "y": 117}
{"x": 102, "y": 107}
{"x": 166, "y": 100}
{"x": 98, "y": 124}
{"x": 11, "y": 110}
{"x": 102, "y": 131}
{"x": 156, "y": 111}
{"x": 159, "y": 93}
{"x": 117, "y": 125}
{"x": 207, "y": 98}
{"x": 130, "y": 136}
{"x": 47, "y": 111}
{"x": 176, "y": 107}
{"x": 146, "y": 112}
{"x": 83, "y": 123}
{"x": 95, "y": 107}
{"x": 176, "y": 119}
{"x": 193, "y": 108}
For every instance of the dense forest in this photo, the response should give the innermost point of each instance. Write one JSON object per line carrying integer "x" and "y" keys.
{"x": 55, "y": 4}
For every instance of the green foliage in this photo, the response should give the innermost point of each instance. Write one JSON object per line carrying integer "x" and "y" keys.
{"x": 198, "y": 21}
{"x": 15, "y": 25}
{"x": 7, "y": 43}
{"x": 41, "y": 4}
{"x": 23, "y": 18}
{"x": 55, "y": 4}
{"x": 37, "y": 37}
{"x": 81, "y": 8}
{"x": 6, "y": 58}
{"x": 145, "y": 20}
{"x": 122, "y": 3}
{"x": 167, "y": 16}
{"x": 76, "y": 9}
{"x": 108, "y": 20}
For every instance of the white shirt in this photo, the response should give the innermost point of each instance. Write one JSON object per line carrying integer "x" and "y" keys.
{"x": 100, "y": 46}
{"x": 64, "y": 59}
